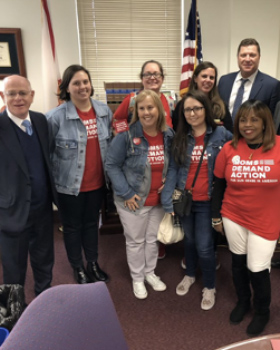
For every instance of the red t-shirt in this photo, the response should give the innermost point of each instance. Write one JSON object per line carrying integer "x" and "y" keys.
{"x": 93, "y": 177}
{"x": 156, "y": 160}
{"x": 200, "y": 190}
{"x": 123, "y": 109}
{"x": 252, "y": 196}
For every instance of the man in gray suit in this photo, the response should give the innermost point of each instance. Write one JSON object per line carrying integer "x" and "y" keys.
{"x": 255, "y": 84}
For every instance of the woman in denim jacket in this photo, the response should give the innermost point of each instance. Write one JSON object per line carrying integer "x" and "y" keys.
{"x": 196, "y": 126}
{"x": 137, "y": 163}
{"x": 80, "y": 135}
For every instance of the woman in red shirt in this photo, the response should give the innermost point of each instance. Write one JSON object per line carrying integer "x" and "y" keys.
{"x": 152, "y": 77}
{"x": 136, "y": 164}
{"x": 246, "y": 196}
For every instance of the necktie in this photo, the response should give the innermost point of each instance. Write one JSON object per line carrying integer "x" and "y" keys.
{"x": 239, "y": 98}
{"x": 28, "y": 127}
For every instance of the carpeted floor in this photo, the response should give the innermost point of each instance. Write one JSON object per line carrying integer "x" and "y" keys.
{"x": 164, "y": 320}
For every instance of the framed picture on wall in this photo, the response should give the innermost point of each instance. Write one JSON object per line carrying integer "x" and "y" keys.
{"x": 11, "y": 53}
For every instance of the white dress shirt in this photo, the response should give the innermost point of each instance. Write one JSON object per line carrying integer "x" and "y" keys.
{"x": 17, "y": 120}
{"x": 247, "y": 89}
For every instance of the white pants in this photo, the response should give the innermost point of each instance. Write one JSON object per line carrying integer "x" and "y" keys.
{"x": 259, "y": 250}
{"x": 140, "y": 232}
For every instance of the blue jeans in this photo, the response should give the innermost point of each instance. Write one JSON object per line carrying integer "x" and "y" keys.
{"x": 198, "y": 241}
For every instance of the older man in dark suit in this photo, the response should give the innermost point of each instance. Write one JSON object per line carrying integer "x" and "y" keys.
{"x": 26, "y": 188}
{"x": 249, "y": 82}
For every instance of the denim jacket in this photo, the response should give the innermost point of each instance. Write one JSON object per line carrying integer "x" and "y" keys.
{"x": 127, "y": 164}
{"x": 68, "y": 137}
{"x": 177, "y": 176}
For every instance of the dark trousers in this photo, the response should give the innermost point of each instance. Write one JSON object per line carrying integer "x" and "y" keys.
{"x": 37, "y": 239}
{"x": 80, "y": 220}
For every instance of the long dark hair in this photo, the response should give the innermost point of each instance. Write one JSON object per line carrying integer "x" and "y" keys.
{"x": 217, "y": 103}
{"x": 67, "y": 76}
{"x": 180, "y": 141}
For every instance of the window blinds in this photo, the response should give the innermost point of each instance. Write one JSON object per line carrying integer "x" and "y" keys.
{"x": 118, "y": 36}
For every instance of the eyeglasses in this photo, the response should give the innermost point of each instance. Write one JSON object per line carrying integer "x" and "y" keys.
{"x": 194, "y": 109}
{"x": 21, "y": 93}
{"x": 150, "y": 75}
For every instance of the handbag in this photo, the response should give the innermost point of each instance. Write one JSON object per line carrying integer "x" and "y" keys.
{"x": 182, "y": 202}
{"x": 182, "y": 199}
{"x": 170, "y": 229}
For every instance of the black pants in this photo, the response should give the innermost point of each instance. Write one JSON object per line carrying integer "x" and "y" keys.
{"x": 80, "y": 220}
{"x": 37, "y": 239}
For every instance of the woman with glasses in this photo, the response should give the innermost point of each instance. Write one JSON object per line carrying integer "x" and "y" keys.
{"x": 196, "y": 130}
{"x": 152, "y": 77}
{"x": 204, "y": 79}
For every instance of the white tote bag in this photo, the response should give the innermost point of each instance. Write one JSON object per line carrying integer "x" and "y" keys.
{"x": 170, "y": 230}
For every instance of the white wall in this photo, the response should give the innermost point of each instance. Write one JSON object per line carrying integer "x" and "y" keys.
{"x": 224, "y": 24}
{"x": 26, "y": 14}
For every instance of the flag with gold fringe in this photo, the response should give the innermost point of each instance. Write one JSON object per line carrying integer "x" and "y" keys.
{"x": 192, "y": 54}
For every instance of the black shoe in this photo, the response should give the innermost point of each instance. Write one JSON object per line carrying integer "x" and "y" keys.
{"x": 238, "y": 313}
{"x": 275, "y": 263}
{"x": 258, "y": 324}
{"x": 95, "y": 273}
{"x": 80, "y": 275}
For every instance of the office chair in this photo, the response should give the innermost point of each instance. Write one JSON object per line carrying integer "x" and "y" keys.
{"x": 69, "y": 317}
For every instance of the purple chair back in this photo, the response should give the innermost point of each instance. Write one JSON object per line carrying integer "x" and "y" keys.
{"x": 69, "y": 317}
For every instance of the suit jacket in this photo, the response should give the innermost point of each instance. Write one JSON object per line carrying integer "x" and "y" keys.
{"x": 15, "y": 187}
{"x": 276, "y": 118}
{"x": 265, "y": 89}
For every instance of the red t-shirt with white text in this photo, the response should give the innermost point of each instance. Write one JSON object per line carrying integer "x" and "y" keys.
{"x": 200, "y": 190}
{"x": 93, "y": 177}
{"x": 156, "y": 160}
{"x": 252, "y": 196}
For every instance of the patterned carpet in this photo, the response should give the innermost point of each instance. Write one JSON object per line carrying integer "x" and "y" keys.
{"x": 165, "y": 321}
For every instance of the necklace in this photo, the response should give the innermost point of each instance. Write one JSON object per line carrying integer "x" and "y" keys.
{"x": 254, "y": 147}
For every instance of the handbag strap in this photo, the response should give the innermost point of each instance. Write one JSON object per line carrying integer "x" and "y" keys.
{"x": 199, "y": 165}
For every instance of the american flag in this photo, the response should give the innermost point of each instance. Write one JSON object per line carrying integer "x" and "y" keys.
{"x": 192, "y": 55}
{"x": 51, "y": 75}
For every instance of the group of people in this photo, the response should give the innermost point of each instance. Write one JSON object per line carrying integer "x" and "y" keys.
{"x": 69, "y": 156}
